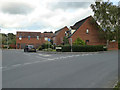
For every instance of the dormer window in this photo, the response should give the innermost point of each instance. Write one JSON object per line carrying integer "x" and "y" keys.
{"x": 66, "y": 34}
{"x": 87, "y": 31}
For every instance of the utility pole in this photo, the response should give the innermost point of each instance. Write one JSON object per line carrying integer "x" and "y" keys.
{"x": 71, "y": 43}
{"x": 48, "y": 42}
{"x": 7, "y": 41}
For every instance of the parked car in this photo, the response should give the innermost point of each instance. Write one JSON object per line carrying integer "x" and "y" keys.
{"x": 29, "y": 48}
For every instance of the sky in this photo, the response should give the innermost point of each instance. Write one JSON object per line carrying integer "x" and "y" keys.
{"x": 42, "y": 15}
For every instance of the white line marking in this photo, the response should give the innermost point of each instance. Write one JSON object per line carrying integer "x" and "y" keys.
{"x": 27, "y": 54}
{"x": 41, "y": 57}
{"x": 51, "y": 59}
{"x": 45, "y": 55}
{"x": 45, "y": 59}
{"x": 27, "y": 63}
{"x": 16, "y": 65}
{"x": 2, "y": 67}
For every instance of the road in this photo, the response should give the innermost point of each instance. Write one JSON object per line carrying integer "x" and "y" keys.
{"x": 41, "y": 70}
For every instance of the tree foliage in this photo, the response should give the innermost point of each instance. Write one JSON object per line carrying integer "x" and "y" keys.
{"x": 79, "y": 41}
{"x": 10, "y": 38}
{"x": 65, "y": 41}
{"x": 106, "y": 14}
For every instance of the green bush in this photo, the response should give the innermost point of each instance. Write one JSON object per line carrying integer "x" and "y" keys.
{"x": 79, "y": 41}
{"x": 5, "y": 47}
{"x": 11, "y": 48}
{"x": 85, "y": 48}
{"x": 46, "y": 46}
{"x": 39, "y": 48}
{"x": 118, "y": 44}
{"x": 66, "y": 48}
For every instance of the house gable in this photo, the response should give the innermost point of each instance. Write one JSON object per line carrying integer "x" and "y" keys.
{"x": 88, "y": 32}
{"x": 59, "y": 35}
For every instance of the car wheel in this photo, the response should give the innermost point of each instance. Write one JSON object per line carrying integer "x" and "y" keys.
{"x": 25, "y": 50}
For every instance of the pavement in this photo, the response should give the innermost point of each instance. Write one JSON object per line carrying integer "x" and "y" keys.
{"x": 59, "y": 70}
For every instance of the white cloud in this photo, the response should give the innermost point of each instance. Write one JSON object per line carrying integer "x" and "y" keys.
{"x": 41, "y": 17}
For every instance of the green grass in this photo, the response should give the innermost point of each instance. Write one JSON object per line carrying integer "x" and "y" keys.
{"x": 117, "y": 87}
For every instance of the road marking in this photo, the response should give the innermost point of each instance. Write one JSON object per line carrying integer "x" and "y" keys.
{"x": 27, "y": 54}
{"x": 45, "y": 55}
{"x": 2, "y": 67}
{"x": 45, "y": 59}
{"x": 16, "y": 65}
{"x": 26, "y": 63}
{"x": 51, "y": 59}
{"x": 41, "y": 57}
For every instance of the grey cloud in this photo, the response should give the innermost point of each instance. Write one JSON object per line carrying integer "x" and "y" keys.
{"x": 16, "y": 8}
{"x": 69, "y": 5}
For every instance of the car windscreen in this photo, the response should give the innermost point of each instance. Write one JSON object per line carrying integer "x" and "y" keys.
{"x": 30, "y": 46}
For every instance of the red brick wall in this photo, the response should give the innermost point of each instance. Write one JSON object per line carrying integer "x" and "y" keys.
{"x": 33, "y": 40}
{"x": 113, "y": 46}
{"x": 92, "y": 36}
{"x": 59, "y": 37}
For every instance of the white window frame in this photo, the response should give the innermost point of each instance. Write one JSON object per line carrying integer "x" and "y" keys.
{"x": 87, "y": 31}
{"x": 46, "y": 38}
{"x": 37, "y": 37}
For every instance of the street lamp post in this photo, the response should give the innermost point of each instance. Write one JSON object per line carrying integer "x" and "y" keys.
{"x": 7, "y": 41}
{"x": 48, "y": 43}
{"x": 71, "y": 43}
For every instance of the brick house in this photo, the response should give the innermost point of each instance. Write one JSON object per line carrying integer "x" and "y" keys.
{"x": 87, "y": 31}
{"x": 59, "y": 35}
{"x": 31, "y": 38}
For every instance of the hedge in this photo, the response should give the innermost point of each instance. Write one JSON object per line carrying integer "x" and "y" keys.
{"x": 85, "y": 48}
{"x": 66, "y": 48}
{"x": 46, "y": 46}
{"x": 119, "y": 44}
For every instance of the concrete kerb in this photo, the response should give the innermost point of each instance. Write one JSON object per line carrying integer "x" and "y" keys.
{"x": 51, "y": 52}
{"x": 48, "y": 52}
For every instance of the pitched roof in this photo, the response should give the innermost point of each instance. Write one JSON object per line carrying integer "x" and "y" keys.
{"x": 33, "y": 34}
{"x": 57, "y": 32}
{"x": 78, "y": 24}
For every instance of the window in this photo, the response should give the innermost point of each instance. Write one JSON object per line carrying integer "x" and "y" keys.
{"x": 66, "y": 34}
{"x": 28, "y": 37}
{"x": 87, "y": 41}
{"x": 87, "y": 31}
{"x": 20, "y": 37}
{"x": 37, "y": 37}
{"x": 46, "y": 38}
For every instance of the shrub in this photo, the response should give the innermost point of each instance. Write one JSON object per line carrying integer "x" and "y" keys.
{"x": 39, "y": 48}
{"x": 66, "y": 48}
{"x": 85, "y": 48}
{"x": 79, "y": 41}
{"x": 118, "y": 44}
{"x": 46, "y": 46}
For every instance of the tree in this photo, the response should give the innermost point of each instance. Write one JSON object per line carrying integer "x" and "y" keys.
{"x": 4, "y": 39}
{"x": 106, "y": 14}
{"x": 11, "y": 38}
{"x": 65, "y": 41}
{"x": 79, "y": 41}
{"x": 51, "y": 41}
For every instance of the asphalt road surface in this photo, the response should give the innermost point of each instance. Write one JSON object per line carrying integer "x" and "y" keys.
{"x": 41, "y": 70}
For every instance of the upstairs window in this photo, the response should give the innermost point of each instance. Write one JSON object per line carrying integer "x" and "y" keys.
{"x": 37, "y": 37}
{"x": 46, "y": 38}
{"x": 87, "y": 41}
{"x": 20, "y": 37}
{"x": 28, "y": 37}
{"x": 87, "y": 31}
